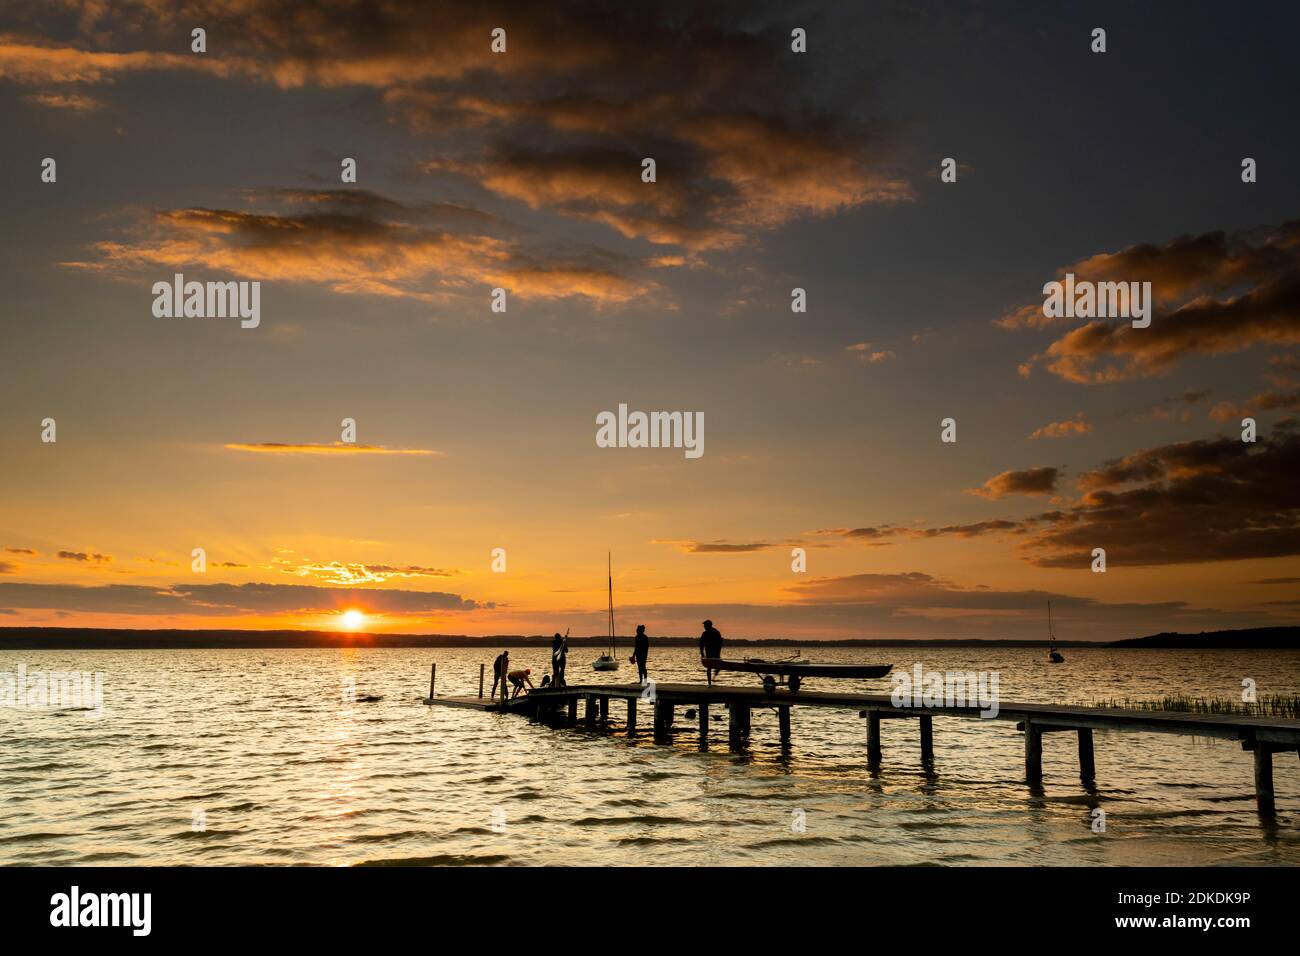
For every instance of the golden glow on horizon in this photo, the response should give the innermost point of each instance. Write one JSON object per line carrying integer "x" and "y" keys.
{"x": 353, "y": 619}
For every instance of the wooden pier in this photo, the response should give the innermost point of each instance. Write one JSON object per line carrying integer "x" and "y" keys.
{"x": 1262, "y": 736}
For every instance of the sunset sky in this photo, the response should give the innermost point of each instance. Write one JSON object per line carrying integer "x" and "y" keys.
{"x": 775, "y": 170}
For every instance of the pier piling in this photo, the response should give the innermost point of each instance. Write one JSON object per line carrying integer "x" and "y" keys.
{"x": 873, "y": 738}
{"x": 1087, "y": 767}
{"x": 1033, "y": 753}
{"x": 481, "y": 669}
{"x": 738, "y": 724}
{"x": 663, "y": 719}
{"x": 1264, "y": 779}
{"x": 1263, "y": 736}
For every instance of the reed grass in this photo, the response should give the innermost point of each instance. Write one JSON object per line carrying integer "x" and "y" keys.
{"x": 1266, "y": 705}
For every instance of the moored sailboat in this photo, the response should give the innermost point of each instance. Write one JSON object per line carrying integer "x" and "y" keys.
{"x": 608, "y": 661}
{"x": 1053, "y": 655}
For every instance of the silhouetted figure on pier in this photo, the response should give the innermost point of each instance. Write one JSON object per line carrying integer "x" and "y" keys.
{"x": 518, "y": 679}
{"x": 640, "y": 652}
{"x": 559, "y": 658}
{"x": 499, "y": 668}
{"x": 710, "y": 646}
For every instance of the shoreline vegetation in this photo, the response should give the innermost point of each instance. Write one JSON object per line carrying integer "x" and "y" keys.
{"x": 78, "y": 638}
{"x": 1268, "y": 705}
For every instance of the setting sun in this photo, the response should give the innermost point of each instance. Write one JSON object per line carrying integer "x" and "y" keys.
{"x": 353, "y": 619}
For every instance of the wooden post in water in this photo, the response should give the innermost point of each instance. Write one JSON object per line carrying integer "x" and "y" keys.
{"x": 1264, "y": 779}
{"x": 631, "y": 715}
{"x": 663, "y": 718}
{"x": 1033, "y": 753}
{"x": 738, "y": 724}
{"x": 927, "y": 739}
{"x": 704, "y": 724}
{"x": 480, "y": 679}
{"x": 783, "y": 721}
{"x": 573, "y": 710}
{"x": 873, "y": 738}
{"x": 1087, "y": 766}
{"x": 604, "y": 711}
{"x": 589, "y": 712}
{"x": 433, "y": 676}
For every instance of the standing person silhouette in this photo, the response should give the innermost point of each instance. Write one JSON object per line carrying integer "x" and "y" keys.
{"x": 500, "y": 667}
{"x": 558, "y": 651}
{"x": 710, "y": 646}
{"x": 640, "y": 652}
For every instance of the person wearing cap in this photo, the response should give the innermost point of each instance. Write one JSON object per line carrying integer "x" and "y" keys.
{"x": 710, "y": 646}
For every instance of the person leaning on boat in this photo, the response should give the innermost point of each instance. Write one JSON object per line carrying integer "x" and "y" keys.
{"x": 710, "y": 646}
{"x": 640, "y": 652}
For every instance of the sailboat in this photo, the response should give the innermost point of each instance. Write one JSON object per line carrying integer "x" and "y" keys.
{"x": 1053, "y": 655}
{"x": 607, "y": 661}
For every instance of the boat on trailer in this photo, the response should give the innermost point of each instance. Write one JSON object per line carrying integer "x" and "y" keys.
{"x": 795, "y": 671}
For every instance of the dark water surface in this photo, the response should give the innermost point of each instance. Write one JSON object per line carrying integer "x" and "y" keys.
{"x": 265, "y": 748}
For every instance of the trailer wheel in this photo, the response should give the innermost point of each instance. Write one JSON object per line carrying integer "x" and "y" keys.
{"x": 795, "y": 682}
{"x": 769, "y": 683}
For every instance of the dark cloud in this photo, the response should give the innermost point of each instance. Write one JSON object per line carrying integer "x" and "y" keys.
{"x": 1217, "y": 499}
{"x": 881, "y": 535}
{"x": 1030, "y": 481}
{"x": 1209, "y": 500}
{"x": 218, "y": 600}
{"x": 745, "y": 135}
{"x": 366, "y": 245}
{"x": 718, "y": 547}
{"x": 86, "y": 557}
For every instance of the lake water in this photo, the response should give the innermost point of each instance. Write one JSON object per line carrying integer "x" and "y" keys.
{"x": 215, "y": 757}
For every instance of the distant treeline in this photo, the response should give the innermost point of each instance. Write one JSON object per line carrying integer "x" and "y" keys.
{"x": 1253, "y": 637}
{"x": 78, "y": 638}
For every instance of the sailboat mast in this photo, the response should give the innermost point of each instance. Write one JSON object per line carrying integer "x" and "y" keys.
{"x": 610, "y": 577}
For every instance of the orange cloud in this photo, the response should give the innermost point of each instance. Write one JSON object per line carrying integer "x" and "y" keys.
{"x": 1079, "y": 425}
{"x": 73, "y": 102}
{"x": 366, "y": 245}
{"x": 335, "y": 448}
{"x": 1216, "y": 293}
